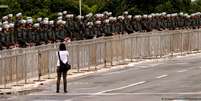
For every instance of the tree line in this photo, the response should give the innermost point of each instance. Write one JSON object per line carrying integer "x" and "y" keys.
{"x": 49, "y": 8}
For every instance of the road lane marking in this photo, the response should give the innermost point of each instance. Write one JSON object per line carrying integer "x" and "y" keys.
{"x": 68, "y": 100}
{"x": 181, "y": 71}
{"x": 131, "y": 65}
{"x": 162, "y": 76}
{"x": 120, "y": 88}
{"x": 92, "y": 94}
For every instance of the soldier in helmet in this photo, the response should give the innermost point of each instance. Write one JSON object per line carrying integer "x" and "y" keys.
{"x": 20, "y": 33}
{"x": 180, "y": 20}
{"x": 168, "y": 26}
{"x": 192, "y": 21}
{"x": 51, "y": 31}
{"x": 10, "y": 16}
{"x": 113, "y": 25}
{"x": 70, "y": 25}
{"x": 63, "y": 14}
{"x": 79, "y": 28}
{"x": 24, "y": 33}
{"x": 128, "y": 24}
{"x": 107, "y": 28}
{"x": 125, "y": 14}
{"x": 187, "y": 21}
{"x": 149, "y": 23}
{"x": 199, "y": 19}
{"x": 36, "y": 34}
{"x": 6, "y": 35}
{"x": 156, "y": 21}
{"x": 163, "y": 21}
{"x": 5, "y": 18}
{"x": 98, "y": 29}
{"x": 11, "y": 35}
{"x": 28, "y": 28}
{"x": 17, "y": 25}
{"x": 60, "y": 32}
{"x": 174, "y": 21}
{"x": 89, "y": 17}
{"x": 89, "y": 31}
{"x": 136, "y": 23}
{"x": 1, "y": 45}
{"x": 144, "y": 22}
{"x": 2, "y": 39}
{"x": 44, "y": 30}
{"x": 120, "y": 25}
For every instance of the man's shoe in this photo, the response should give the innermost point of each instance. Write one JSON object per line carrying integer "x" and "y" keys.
{"x": 65, "y": 91}
{"x": 57, "y": 91}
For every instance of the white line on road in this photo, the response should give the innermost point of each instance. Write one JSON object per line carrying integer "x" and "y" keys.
{"x": 162, "y": 76}
{"x": 120, "y": 88}
{"x": 92, "y": 94}
{"x": 68, "y": 100}
{"x": 131, "y": 64}
{"x": 180, "y": 100}
{"x": 187, "y": 93}
{"x": 180, "y": 71}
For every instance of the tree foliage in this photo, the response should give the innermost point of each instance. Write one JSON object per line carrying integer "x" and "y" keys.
{"x": 48, "y": 8}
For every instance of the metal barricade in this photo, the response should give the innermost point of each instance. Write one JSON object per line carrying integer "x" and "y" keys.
{"x": 19, "y": 65}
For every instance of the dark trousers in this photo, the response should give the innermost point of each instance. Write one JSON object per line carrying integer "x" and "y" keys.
{"x": 59, "y": 73}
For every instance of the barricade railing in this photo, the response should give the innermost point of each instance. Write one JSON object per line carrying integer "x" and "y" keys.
{"x": 22, "y": 64}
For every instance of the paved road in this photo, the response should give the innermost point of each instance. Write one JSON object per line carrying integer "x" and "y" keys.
{"x": 175, "y": 79}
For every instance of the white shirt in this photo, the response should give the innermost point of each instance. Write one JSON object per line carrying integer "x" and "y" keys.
{"x": 63, "y": 56}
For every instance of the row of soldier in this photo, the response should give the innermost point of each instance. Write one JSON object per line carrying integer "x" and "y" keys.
{"x": 19, "y": 32}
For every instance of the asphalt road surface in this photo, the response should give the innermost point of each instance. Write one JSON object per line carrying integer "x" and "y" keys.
{"x": 175, "y": 79}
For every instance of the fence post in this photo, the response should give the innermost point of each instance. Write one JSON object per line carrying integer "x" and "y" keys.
{"x": 39, "y": 64}
{"x": 149, "y": 47}
{"x": 136, "y": 47}
{"x": 111, "y": 52}
{"x": 4, "y": 74}
{"x": 132, "y": 49}
{"x": 17, "y": 68}
{"x": 160, "y": 46}
{"x": 105, "y": 56}
{"x": 122, "y": 50}
{"x": 181, "y": 43}
{"x": 25, "y": 67}
{"x": 1, "y": 71}
{"x": 189, "y": 44}
{"x": 198, "y": 40}
{"x": 171, "y": 41}
{"x": 96, "y": 55}
{"x": 78, "y": 58}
